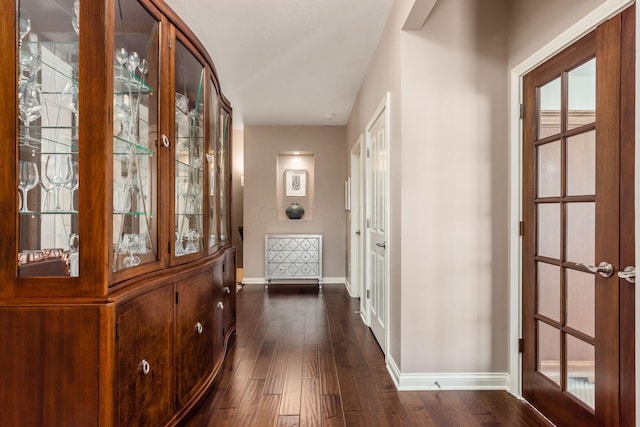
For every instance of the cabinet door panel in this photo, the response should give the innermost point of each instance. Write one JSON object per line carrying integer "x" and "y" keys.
{"x": 218, "y": 337}
{"x": 195, "y": 328}
{"x": 144, "y": 357}
{"x": 230, "y": 295}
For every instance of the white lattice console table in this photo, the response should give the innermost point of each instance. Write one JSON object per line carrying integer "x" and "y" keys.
{"x": 293, "y": 256}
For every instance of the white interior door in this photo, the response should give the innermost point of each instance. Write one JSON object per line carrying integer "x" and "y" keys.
{"x": 376, "y": 225}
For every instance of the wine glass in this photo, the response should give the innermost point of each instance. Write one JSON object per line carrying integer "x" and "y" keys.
{"x": 73, "y": 184}
{"x": 24, "y": 24}
{"x": 75, "y": 19}
{"x": 29, "y": 106}
{"x": 69, "y": 99}
{"x": 131, "y": 244}
{"x": 58, "y": 171}
{"x": 121, "y": 192}
{"x": 121, "y": 57}
{"x": 27, "y": 179}
{"x": 47, "y": 186}
{"x": 134, "y": 61}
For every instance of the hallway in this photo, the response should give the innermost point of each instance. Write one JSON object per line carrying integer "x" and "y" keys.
{"x": 303, "y": 358}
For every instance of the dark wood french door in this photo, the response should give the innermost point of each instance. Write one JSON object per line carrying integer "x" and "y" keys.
{"x": 578, "y": 214}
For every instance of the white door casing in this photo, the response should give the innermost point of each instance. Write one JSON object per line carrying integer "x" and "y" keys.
{"x": 356, "y": 223}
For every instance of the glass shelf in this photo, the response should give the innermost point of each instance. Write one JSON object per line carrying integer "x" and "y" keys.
{"x": 57, "y": 136}
{"x": 38, "y": 213}
{"x": 131, "y": 148}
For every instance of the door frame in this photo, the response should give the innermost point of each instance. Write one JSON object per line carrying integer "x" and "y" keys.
{"x": 605, "y": 11}
{"x": 356, "y": 222}
{"x": 383, "y": 108}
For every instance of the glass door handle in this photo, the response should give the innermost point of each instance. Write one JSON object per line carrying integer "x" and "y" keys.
{"x": 628, "y": 274}
{"x": 604, "y": 268}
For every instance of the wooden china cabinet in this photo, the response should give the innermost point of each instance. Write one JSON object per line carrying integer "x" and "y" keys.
{"x": 117, "y": 287}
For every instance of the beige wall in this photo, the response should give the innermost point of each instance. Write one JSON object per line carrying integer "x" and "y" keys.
{"x": 533, "y": 24}
{"x": 449, "y": 302}
{"x": 237, "y": 196}
{"x": 454, "y": 190}
{"x": 262, "y": 144}
{"x": 384, "y": 76}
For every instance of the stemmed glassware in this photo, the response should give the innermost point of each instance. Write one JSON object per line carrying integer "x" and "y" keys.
{"x": 27, "y": 179}
{"x": 73, "y": 184}
{"x": 121, "y": 57}
{"x": 132, "y": 246}
{"x": 59, "y": 171}
{"x": 69, "y": 99}
{"x": 75, "y": 19}
{"x": 29, "y": 106}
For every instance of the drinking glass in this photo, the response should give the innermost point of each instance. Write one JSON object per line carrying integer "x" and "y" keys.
{"x": 73, "y": 184}
{"x": 29, "y": 106}
{"x": 121, "y": 57}
{"x": 134, "y": 61}
{"x": 75, "y": 19}
{"x": 24, "y": 24}
{"x": 27, "y": 179}
{"x": 121, "y": 193}
{"x": 131, "y": 245}
{"x": 69, "y": 99}
{"x": 58, "y": 171}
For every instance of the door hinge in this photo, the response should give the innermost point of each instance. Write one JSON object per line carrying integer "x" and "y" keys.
{"x": 170, "y": 42}
{"x": 368, "y": 293}
{"x": 117, "y": 331}
{"x": 368, "y": 152}
{"x": 368, "y": 222}
{"x": 520, "y": 345}
{"x": 176, "y": 297}
{"x": 522, "y": 111}
{"x": 169, "y": 248}
{"x": 224, "y": 266}
{"x": 521, "y": 228}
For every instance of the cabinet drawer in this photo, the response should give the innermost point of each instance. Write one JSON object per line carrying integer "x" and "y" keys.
{"x": 144, "y": 359}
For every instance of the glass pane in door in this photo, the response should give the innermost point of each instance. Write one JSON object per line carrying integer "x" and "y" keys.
{"x": 548, "y": 281}
{"x": 189, "y": 152}
{"x": 580, "y": 232}
{"x": 548, "y": 351}
{"x": 212, "y": 161}
{"x": 549, "y": 168}
{"x": 135, "y": 127}
{"x": 581, "y": 164}
{"x": 48, "y": 175}
{"x": 223, "y": 160}
{"x": 549, "y": 230}
{"x": 582, "y": 95}
{"x": 549, "y": 113}
{"x": 581, "y": 370}
{"x": 581, "y": 301}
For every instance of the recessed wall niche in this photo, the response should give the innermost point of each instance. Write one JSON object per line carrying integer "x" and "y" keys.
{"x": 295, "y": 179}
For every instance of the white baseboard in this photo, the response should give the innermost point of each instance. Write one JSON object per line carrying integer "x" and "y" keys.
{"x": 447, "y": 381}
{"x": 325, "y": 281}
{"x": 347, "y": 285}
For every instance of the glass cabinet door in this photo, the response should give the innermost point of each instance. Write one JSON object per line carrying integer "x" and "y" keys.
{"x": 212, "y": 163}
{"x": 135, "y": 133}
{"x": 223, "y": 180}
{"x": 189, "y": 152}
{"x": 47, "y": 169}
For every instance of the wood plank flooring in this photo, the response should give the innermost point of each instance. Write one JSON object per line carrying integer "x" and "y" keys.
{"x": 304, "y": 358}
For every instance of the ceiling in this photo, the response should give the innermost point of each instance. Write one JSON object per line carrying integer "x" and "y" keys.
{"x": 288, "y": 62}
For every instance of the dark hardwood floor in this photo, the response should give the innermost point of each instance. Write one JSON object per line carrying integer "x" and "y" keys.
{"x": 304, "y": 358}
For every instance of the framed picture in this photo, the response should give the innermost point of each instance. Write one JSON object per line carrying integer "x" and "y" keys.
{"x": 296, "y": 182}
